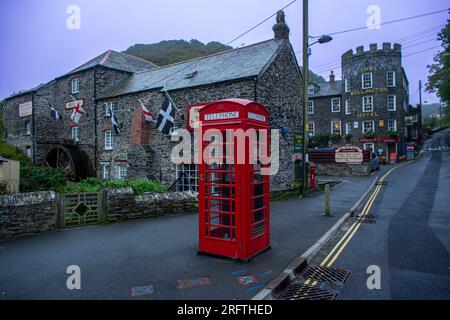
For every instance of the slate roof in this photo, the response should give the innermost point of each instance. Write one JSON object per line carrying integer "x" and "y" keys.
{"x": 116, "y": 60}
{"x": 25, "y": 91}
{"x": 228, "y": 65}
{"x": 329, "y": 89}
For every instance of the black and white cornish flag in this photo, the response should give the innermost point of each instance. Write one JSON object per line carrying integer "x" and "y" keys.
{"x": 54, "y": 113}
{"x": 114, "y": 121}
{"x": 166, "y": 118}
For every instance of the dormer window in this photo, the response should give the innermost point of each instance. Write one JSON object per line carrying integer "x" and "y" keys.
{"x": 75, "y": 85}
{"x": 191, "y": 75}
{"x": 311, "y": 89}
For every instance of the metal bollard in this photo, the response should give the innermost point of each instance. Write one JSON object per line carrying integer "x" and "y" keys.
{"x": 327, "y": 201}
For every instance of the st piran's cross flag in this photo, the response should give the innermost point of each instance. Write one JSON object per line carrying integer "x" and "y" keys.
{"x": 166, "y": 118}
{"x": 114, "y": 121}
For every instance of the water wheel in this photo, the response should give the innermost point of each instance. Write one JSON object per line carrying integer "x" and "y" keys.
{"x": 68, "y": 158}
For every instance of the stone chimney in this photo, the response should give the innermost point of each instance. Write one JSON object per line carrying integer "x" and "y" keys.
{"x": 332, "y": 77}
{"x": 281, "y": 29}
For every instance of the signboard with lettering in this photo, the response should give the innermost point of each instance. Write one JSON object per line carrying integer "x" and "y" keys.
{"x": 298, "y": 143}
{"x": 73, "y": 104}
{"x": 257, "y": 117}
{"x": 349, "y": 155}
{"x": 25, "y": 109}
{"x": 222, "y": 116}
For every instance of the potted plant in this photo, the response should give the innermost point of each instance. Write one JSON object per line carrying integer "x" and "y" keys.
{"x": 393, "y": 135}
{"x": 335, "y": 138}
{"x": 348, "y": 138}
{"x": 369, "y": 135}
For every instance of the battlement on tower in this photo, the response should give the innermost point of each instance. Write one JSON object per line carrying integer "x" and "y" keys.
{"x": 386, "y": 47}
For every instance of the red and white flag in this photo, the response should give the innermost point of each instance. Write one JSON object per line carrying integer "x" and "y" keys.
{"x": 147, "y": 115}
{"x": 77, "y": 113}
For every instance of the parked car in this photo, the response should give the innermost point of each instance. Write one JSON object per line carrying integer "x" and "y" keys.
{"x": 374, "y": 162}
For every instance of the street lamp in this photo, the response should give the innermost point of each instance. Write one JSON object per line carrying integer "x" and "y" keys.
{"x": 306, "y": 52}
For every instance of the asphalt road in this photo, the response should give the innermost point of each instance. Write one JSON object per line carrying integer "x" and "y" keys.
{"x": 158, "y": 253}
{"x": 410, "y": 241}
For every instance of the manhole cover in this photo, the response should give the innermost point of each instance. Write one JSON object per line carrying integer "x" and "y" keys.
{"x": 326, "y": 274}
{"x": 300, "y": 291}
{"x": 81, "y": 209}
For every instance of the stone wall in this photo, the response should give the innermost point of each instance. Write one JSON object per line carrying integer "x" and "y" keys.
{"x": 27, "y": 213}
{"x": 342, "y": 169}
{"x": 124, "y": 205}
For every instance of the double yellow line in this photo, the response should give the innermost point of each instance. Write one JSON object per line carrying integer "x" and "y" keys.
{"x": 340, "y": 246}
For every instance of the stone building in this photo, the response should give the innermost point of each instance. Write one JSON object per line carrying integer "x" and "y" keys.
{"x": 368, "y": 107}
{"x": 266, "y": 72}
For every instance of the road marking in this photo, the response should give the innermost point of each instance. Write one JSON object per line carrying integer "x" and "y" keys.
{"x": 354, "y": 228}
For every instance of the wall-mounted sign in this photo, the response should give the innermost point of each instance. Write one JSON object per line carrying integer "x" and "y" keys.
{"x": 356, "y": 125}
{"x": 257, "y": 117}
{"x": 349, "y": 155}
{"x": 381, "y": 123}
{"x": 222, "y": 116}
{"x": 368, "y": 69}
{"x": 73, "y": 104}
{"x": 25, "y": 109}
{"x": 362, "y": 115}
{"x": 368, "y": 91}
{"x": 298, "y": 143}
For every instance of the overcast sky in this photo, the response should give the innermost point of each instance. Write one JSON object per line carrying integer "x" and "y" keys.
{"x": 36, "y": 45}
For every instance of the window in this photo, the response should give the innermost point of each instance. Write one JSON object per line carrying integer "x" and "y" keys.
{"x": 336, "y": 128}
{"x": 311, "y": 89}
{"x": 28, "y": 152}
{"x": 391, "y": 79}
{"x": 311, "y": 129}
{"x": 28, "y": 128}
{"x": 346, "y": 85}
{"x": 415, "y": 118}
{"x": 187, "y": 177}
{"x": 414, "y": 133}
{"x": 368, "y": 126}
{"x": 335, "y": 105}
{"x": 348, "y": 128}
{"x": 368, "y": 104}
{"x": 109, "y": 105}
{"x": 76, "y": 134}
{"x": 109, "y": 140}
{"x": 391, "y": 102}
{"x": 106, "y": 171}
{"x": 367, "y": 82}
{"x": 347, "y": 108}
{"x": 122, "y": 171}
{"x": 310, "y": 107}
{"x": 75, "y": 85}
{"x": 392, "y": 125}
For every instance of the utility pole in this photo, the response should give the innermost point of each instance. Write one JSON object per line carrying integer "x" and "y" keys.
{"x": 305, "y": 93}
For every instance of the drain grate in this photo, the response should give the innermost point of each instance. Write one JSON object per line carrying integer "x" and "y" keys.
{"x": 369, "y": 219}
{"x": 300, "y": 291}
{"x": 326, "y": 274}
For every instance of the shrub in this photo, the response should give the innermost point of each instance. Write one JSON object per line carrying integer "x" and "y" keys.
{"x": 369, "y": 135}
{"x": 335, "y": 138}
{"x": 139, "y": 186}
{"x": 393, "y": 135}
{"x": 33, "y": 178}
{"x": 10, "y": 152}
{"x": 319, "y": 141}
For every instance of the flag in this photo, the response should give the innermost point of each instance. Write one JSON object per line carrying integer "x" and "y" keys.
{"x": 166, "y": 118}
{"x": 54, "y": 114}
{"x": 147, "y": 115}
{"x": 114, "y": 121}
{"x": 77, "y": 113}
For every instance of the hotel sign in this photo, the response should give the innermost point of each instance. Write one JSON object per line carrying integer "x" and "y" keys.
{"x": 367, "y": 115}
{"x": 73, "y": 104}
{"x": 25, "y": 109}
{"x": 368, "y": 91}
{"x": 349, "y": 155}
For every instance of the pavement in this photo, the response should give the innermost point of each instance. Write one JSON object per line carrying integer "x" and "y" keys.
{"x": 410, "y": 241}
{"x": 157, "y": 254}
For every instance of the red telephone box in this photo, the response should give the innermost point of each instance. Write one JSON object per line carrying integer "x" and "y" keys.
{"x": 234, "y": 195}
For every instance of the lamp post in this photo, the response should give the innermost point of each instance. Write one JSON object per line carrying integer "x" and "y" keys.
{"x": 306, "y": 52}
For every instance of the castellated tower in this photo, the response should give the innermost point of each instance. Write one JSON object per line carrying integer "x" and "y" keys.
{"x": 376, "y": 96}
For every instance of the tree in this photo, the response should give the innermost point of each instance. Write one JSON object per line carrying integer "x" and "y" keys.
{"x": 439, "y": 78}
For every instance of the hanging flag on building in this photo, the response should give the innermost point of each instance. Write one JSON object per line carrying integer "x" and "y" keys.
{"x": 166, "y": 118}
{"x": 147, "y": 115}
{"x": 55, "y": 114}
{"x": 114, "y": 121}
{"x": 77, "y": 113}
